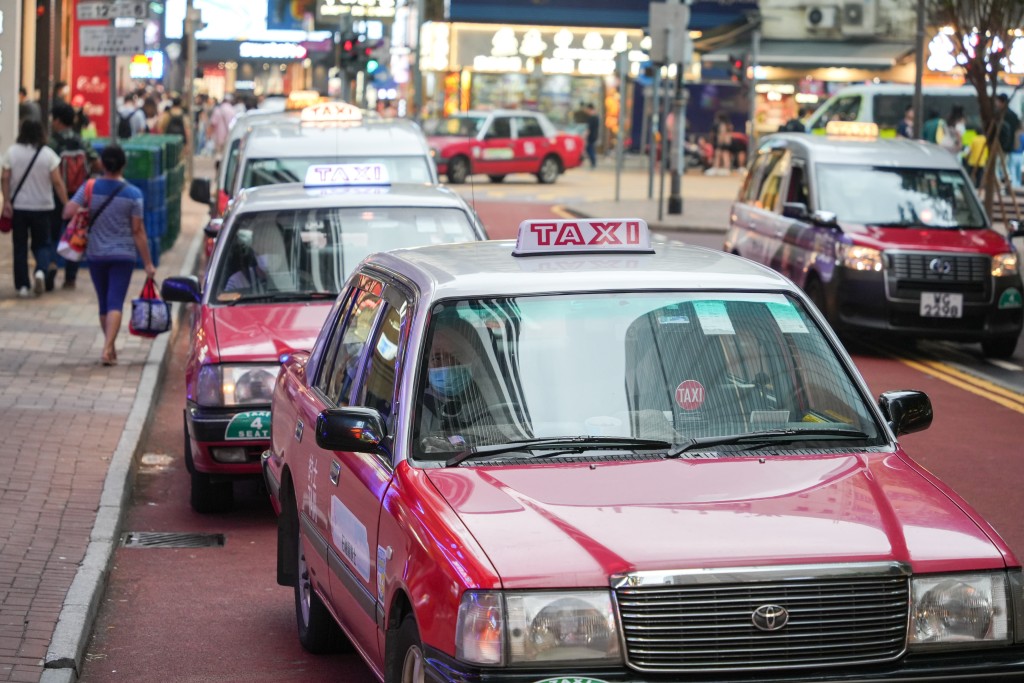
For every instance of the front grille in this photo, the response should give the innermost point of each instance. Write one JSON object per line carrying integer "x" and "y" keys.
{"x": 910, "y": 273}
{"x": 838, "y": 621}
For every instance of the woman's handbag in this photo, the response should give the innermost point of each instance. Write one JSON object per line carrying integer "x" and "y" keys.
{"x": 76, "y": 235}
{"x": 151, "y": 315}
{"x": 7, "y": 222}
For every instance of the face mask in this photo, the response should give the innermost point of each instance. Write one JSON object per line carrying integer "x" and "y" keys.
{"x": 449, "y": 381}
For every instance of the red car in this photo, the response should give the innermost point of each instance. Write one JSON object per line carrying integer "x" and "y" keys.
{"x": 581, "y": 457}
{"x": 497, "y": 143}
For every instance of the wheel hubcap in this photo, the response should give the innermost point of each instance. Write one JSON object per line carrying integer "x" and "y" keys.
{"x": 305, "y": 588}
{"x": 412, "y": 667}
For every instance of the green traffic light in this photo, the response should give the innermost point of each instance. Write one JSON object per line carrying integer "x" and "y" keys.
{"x": 372, "y": 65}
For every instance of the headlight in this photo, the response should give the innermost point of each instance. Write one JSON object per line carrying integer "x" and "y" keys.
{"x": 235, "y": 385}
{"x": 541, "y": 627}
{"x": 859, "y": 258}
{"x": 1004, "y": 264}
{"x": 955, "y": 610}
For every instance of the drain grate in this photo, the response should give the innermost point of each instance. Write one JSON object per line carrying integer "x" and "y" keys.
{"x": 170, "y": 539}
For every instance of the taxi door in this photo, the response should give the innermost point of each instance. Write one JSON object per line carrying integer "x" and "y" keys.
{"x": 759, "y": 220}
{"x": 531, "y": 146}
{"x": 360, "y": 480}
{"x": 497, "y": 152}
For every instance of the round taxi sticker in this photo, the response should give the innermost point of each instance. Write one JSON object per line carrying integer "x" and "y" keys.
{"x": 690, "y": 394}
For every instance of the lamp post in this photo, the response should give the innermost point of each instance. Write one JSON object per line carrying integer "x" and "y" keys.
{"x": 919, "y": 72}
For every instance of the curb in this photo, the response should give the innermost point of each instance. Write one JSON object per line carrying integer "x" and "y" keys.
{"x": 63, "y": 659}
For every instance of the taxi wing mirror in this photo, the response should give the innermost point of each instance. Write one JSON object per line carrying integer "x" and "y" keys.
{"x": 826, "y": 219}
{"x": 906, "y": 411}
{"x": 796, "y": 210}
{"x": 212, "y": 228}
{"x": 183, "y": 288}
{"x": 352, "y": 429}
{"x": 199, "y": 190}
{"x": 1015, "y": 230}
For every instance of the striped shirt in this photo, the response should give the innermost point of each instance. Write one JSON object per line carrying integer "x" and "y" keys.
{"x": 110, "y": 238}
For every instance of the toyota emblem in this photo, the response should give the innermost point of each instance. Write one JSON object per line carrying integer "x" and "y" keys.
{"x": 770, "y": 617}
{"x": 937, "y": 265}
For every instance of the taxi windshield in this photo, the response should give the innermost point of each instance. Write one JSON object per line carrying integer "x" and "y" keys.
{"x": 456, "y": 126}
{"x": 666, "y": 367}
{"x": 400, "y": 169}
{"x": 900, "y": 197}
{"x": 271, "y": 255}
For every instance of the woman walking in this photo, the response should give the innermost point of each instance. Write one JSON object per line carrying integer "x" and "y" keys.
{"x": 117, "y": 237}
{"x": 29, "y": 180}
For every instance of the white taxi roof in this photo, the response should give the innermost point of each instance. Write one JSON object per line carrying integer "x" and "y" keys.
{"x": 490, "y": 269}
{"x": 297, "y": 196}
{"x": 854, "y": 151}
{"x": 293, "y": 138}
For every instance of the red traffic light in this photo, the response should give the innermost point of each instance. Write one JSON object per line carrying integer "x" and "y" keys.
{"x": 348, "y": 45}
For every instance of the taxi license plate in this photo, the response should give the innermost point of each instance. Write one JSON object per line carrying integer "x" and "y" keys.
{"x": 942, "y": 305}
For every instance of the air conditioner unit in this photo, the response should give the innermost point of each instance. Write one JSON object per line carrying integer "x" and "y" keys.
{"x": 860, "y": 18}
{"x": 821, "y": 17}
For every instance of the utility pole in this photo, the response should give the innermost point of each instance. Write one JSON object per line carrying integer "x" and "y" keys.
{"x": 669, "y": 29}
{"x": 417, "y": 71}
{"x": 919, "y": 72}
{"x": 193, "y": 22}
{"x": 755, "y": 57}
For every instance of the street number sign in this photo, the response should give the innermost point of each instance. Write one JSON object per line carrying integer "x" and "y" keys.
{"x": 118, "y": 9}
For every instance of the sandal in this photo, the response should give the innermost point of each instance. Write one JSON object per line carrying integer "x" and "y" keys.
{"x": 109, "y": 358}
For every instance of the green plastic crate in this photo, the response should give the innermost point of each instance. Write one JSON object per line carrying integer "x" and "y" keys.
{"x": 169, "y": 237}
{"x": 175, "y": 181}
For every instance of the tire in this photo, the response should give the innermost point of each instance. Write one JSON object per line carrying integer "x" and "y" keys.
{"x": 405, "y": 663}
{"x": 211, "y": 497}
{"x": 316, "y": 628}
{"x": 458, "y": 170}
{"x": 496, "y": 178}
{"x": 549, "y": 170}
{"x": 999, "y": 347}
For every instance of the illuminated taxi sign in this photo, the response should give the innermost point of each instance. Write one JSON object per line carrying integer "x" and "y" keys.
{"x": 332, "y": 112}
{"x": 603, "y": 235}
{"x": 852, "y": 129}
{"x": 346, "y": 175}
{"x": 300, "y": 99}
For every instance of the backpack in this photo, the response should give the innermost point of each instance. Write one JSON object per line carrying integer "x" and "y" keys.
{"x": 175, "y": 125}
{"x": 124, "y": 124}
{"x": 74, "y": 169}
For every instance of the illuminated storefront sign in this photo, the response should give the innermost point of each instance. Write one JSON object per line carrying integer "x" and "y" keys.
{"x": 943, "y": 56}
{"x": 332, "y": 9}
{"x": 251, "y": 50}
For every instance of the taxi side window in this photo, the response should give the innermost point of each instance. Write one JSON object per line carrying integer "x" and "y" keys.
{"x": 381, "y": 379}
{"x": 501, "y": 128}
{"x": 798, "y": 190}
{"x": 775, "y": 174}
{"x": 528, "y": 127}
{"x": 342, "y": 371}
{"x": 755, "y": 178}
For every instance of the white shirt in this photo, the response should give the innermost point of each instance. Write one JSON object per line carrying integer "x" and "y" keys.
{"x": 37, "y": 192}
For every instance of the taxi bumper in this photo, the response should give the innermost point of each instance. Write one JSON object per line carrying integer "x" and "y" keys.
{"x": 985, "y": 665}
{"x": 213, "y": 452}
{"x": 272, "y": 480}
{"x": 863, "y": 301}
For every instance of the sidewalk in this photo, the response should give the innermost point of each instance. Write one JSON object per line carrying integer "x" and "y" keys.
{"x": 71, "y": 429}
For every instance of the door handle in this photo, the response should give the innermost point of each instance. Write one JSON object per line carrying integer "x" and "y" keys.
{"x": 335, "y": 472}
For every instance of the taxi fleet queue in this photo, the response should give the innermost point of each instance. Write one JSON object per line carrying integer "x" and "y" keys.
{"x": 517, "y": 460}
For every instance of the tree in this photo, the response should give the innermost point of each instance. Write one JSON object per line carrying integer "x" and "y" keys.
{"x": 982, "y": 35}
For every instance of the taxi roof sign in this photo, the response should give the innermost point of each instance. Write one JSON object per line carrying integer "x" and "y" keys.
{"x": 852, "y": 129}
{"x": 346, "y": 175}
{"x": 583, "y": 236}
{"x": 331, "y": 112}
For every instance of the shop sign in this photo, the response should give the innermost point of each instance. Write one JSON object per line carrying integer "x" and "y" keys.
{"x": 333, "y": 9}
{"x": 110, "y": 41}
{"x": 251, "y": 50}
{"x": 943, "y": 56}
{"x": 552, "y": 51}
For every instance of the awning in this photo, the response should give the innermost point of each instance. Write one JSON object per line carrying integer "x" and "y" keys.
{"x": 811, "y": 54}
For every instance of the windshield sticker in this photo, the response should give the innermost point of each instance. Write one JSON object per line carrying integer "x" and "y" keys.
{"x": 349, "y": 537}
{"x": 254, "y": 424}
{"x": 774, "y": 418}
{"x": 673, "y": 319}
{"x": 713, "y": 317}
{"x": 690, "y": 394}
{"x": 1010, "y": 298}
{"x": 787, "y": 318}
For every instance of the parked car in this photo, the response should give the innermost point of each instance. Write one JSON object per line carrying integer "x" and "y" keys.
{"x": 283, "y": 254}
{"x": 499, "y": 143}
{"x": 584, "y": 456}
{"x": 885, "y": 236}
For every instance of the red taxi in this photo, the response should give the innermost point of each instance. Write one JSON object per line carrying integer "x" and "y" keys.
{"x": 282, "y": 257}
{"x": 497, "y": 143}
{"x": 884, "y": 236}
{"x": 589, "y": 457}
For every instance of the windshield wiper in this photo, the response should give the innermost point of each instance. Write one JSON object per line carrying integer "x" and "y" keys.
{"x": 765, "y": 437}
{"x": 565, "y": 444}
{"x": 282, "y": 296}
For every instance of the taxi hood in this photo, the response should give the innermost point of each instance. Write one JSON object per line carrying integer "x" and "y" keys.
{"x": 548, "y": 525}
{"x": 980, "y": 241}
{"x": 254, "y": 333}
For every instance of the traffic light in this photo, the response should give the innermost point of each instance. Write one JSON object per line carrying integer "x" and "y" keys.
{"x": 738, "y": 69}
{"x": 349, "y": 59}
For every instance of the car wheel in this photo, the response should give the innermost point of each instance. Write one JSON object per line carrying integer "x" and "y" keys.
{"x": 999, "y": 347}
{"x": 496, "y": 178}
{"x": 549, "y": 170}
{"x": 316, "y": 626}
{"x": 405, "y": 661}
{"x": 209, "y": 496}
{"x": 458, "y": 170}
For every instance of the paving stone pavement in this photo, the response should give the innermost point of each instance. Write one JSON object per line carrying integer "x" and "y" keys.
{"x": 69, "y": 427}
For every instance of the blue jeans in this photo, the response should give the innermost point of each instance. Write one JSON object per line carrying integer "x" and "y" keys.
{"x": 34, "y": 225}
{"x": 1015, "y": 163}
{"x": 592, "y": 153}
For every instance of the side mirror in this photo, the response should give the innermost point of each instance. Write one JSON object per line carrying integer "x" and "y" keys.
{"x": 183, "y": 288}
{"x": 356, "y": 430}
{"x": 212, "y": 228}
{"x": 796, "y": 210}
{"x": 826, "y": 219}
{"x": 906, "y": 411}
{"x": 199, "y": 190}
